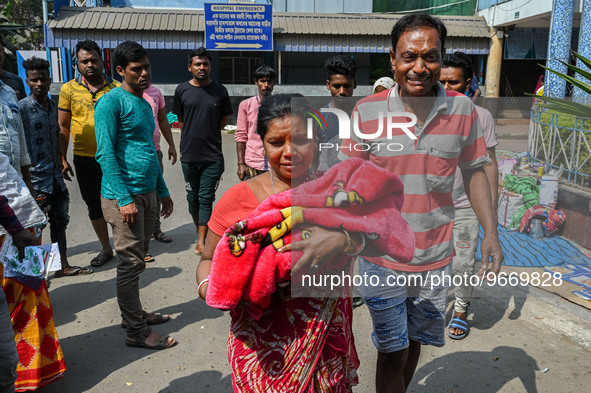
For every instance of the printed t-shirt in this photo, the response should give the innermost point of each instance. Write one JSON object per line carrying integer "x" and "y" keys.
{"x": 79, "y": 101}
{"x": 201, "y": 110}
{"x": 125, "y": 150}
{"x": 41, "y": 131}
{"x": 450, "y": 137}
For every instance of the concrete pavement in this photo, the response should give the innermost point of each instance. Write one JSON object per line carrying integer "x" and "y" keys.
{"x": 514, "y": 336}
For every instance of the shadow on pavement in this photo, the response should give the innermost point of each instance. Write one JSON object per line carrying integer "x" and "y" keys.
{"x": 487, "y": 309}
{"x": 183, "y": 239}
{"x": 68, "y": 300}
{"x": 457, "y": 371}
{"x": 92, "y": 356}
{"x": 203, "y": 381}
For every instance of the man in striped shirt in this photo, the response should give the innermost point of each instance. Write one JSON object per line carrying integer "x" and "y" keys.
{"x": 408, "y": 304}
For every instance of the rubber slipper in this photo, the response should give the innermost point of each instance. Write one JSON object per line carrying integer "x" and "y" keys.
{"x": 101, "y": 259}
{"x": 140, "y": 342}
{"x": 75, "y": 271}
{"x": 357, "y": 301}
{"x": 152, "y": 318}
{"x": 149, "y": 258}
{"x": 458, "y": 323}
{"x": 162, "y": 237}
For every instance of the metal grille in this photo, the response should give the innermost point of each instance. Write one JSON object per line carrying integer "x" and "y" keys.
{"x": 561, "y": 140}
{"x": 519, "y": 77}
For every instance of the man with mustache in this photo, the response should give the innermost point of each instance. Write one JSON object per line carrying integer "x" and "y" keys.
{"x": 131, "y": 184}
{"x": 249, "y": 146}
{"x": 203, "y": 108}
{"x": 76, "y": 117}
{"x": 408, "y": 308}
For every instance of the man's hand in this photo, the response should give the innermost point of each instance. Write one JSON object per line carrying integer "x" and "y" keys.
{"x": 490, "y": 247}
{"x": 172, "y": 155}
{"x": 242, "y": 171}
{"x": 23, "y": 239}
{"x": 129, "y": 213}
{"x": 67, "y": 170}
{"x": 167, "y": 206}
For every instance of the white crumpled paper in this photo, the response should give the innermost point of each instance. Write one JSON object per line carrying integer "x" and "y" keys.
{"x": 38, "y": 260}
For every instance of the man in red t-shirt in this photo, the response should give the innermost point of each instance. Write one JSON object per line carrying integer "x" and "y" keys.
{"x": 408, "y": 305}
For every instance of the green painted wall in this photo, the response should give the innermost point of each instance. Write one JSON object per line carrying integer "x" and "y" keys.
{"x": 464, "y": 8}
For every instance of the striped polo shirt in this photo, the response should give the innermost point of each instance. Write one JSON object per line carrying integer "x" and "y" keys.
{"x": 450, "y": 137}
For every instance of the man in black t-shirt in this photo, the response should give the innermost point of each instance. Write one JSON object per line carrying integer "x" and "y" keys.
{"x": 203, "y": 107}
{"x": 12, "y": 80}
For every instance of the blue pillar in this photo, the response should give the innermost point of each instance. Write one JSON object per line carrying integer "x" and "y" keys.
{"x": 585, "y": 50}
{"x": 561, "y": 28}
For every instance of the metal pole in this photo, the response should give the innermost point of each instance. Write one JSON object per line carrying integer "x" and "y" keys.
{"x": 493, "y": 65}
{"x": 279, "y": 67}
{"x": 47, "y": 50}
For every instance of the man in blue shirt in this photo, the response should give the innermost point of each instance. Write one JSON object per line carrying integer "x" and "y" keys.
{"x": 132, "y": 181}
{"x": 39, "y": 115}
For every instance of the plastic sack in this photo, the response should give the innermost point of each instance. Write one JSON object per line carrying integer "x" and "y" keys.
{"x": 549, "y": 191}
{"x": 509, "y": 204}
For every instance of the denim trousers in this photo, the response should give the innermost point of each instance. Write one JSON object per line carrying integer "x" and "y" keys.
{"x": 201, "y": 182}
{"x": 56, "y": 206}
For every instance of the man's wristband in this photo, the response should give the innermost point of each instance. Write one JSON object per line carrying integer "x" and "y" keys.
{"x": 241, "y": 163}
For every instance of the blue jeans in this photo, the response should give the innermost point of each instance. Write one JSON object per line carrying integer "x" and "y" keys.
{"x": 403, "y": 306}
{"x": 8, "y": 354}
{"x": 201, "y": 182}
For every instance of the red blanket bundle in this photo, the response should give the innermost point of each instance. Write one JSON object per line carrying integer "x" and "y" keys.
{"x": 355, "y": 195}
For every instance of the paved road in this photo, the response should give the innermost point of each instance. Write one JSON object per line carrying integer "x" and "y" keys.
{"x": 512, "y": 338}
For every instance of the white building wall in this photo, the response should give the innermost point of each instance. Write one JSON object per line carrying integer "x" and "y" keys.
{"x": 523, "y": 13}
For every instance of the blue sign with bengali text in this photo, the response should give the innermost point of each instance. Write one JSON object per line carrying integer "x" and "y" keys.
{"x": 239, "y": 27}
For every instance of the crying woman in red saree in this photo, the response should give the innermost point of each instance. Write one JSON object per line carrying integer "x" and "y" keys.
{"x": 264, "y": 237}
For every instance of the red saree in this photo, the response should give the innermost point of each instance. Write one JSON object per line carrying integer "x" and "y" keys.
{"x": 41, "y": 360}
{"x": 283, "y": 344}
{"x": 298, "y": 344}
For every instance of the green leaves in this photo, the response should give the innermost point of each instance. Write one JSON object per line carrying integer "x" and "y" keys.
{"x": 567, "y": 106}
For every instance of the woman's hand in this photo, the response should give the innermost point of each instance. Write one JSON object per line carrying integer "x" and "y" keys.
{"x": 204, "y": 266}
{"x": 318, "y": 248}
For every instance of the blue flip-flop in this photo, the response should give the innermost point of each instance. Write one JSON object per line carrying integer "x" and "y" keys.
{"x": 458, "y": 323}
